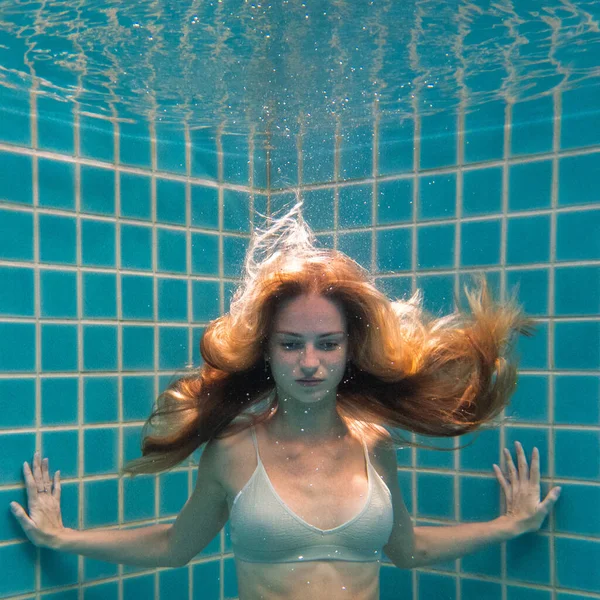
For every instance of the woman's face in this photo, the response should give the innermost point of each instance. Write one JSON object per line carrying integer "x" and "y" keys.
{"x": 308, "y": 340}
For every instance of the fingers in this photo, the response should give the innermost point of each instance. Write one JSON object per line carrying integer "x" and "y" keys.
{"x": 523, "y": 474}
{"x": 21, "y": 516}
{"x": 550, "y": 500}
{"x": 38, "y": 478}
{"x": 37, "y": 470}
{"x": 29, "y": 479}
{"x": 535, "y": 467}
{"x": 503, "y": 482}
{"x": 56, "y": 491}
{"x": 512, "y": 472}
{"x": 46, "y": 475}
{"x": 522, "y": 462}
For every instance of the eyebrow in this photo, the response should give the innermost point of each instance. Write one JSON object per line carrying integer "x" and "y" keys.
{"x": 292, "y": 334}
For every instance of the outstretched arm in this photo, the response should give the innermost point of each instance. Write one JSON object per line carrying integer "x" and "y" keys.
{"x": 524, "y": 514}
{"x": 440, "y": 544}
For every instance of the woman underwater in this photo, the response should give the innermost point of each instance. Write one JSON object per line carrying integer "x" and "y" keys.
{"x": 304, "y": 386}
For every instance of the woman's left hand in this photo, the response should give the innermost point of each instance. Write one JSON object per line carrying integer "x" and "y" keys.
{"x": 523, "y": 505}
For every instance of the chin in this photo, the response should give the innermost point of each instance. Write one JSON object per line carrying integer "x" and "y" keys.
{"x": 310, "y": 395}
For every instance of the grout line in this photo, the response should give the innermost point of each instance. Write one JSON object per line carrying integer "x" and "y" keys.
{"x": 336, "y": 179}
{"x": 387, "y": 275}
{"x": 152, "y": 120}
{"x": 507, "y": 141}
{"x": 18, "y": 207}
{"x": 189, "y": 467}
{"x": 375, "y": 189}
{"x": 155, "y": 324}
{"x": 141, "y": 322}
{"x": 518, "y": 159}
{"x": 37, "y": 278}
{"x": 458, "y": 563}
{"x": 416, "y": 27}
{"x": 221, "y": 267}
{"x": 551, "y": 334}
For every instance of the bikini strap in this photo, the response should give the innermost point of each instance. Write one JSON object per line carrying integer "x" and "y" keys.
{"x": 255, "y": 442}
{"x": 366, "y": 452}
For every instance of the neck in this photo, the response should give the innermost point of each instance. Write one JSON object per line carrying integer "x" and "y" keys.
{"x": 307, "y": 422}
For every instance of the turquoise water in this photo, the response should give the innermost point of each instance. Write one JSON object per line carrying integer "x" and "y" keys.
{"x": 428, "y": 140}
{"x": 269, "y": 66}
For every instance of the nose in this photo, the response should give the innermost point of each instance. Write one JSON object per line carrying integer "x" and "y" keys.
{"x": 309, "y": 358}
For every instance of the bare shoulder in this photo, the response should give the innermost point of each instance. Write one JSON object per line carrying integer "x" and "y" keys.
{"x": 226, "y": 454}
{"x": 383, "y": 452}
{"x": 378, "y": 441}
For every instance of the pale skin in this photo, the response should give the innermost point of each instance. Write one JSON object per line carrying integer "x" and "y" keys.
{"x": 317, "y": 467}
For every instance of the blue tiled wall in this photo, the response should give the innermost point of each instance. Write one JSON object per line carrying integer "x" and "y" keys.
{"x": 119, "y": 253}
{"x": 119, "y": 241}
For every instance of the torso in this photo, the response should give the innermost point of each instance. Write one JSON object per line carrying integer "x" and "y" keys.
{"x": 326, "y": 486}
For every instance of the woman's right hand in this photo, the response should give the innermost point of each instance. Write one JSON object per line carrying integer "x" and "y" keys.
{"x": 44, "y": 522}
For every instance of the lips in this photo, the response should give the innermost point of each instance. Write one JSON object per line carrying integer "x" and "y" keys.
{"x": 309, "y": 380}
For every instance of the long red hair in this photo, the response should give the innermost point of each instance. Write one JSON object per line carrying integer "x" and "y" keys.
{"x": 408, "y": 370}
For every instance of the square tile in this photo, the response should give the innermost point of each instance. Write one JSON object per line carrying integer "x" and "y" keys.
{"x": 97, "y": 139}
{"x": 577, "y": 345}
{"x": 437, "y": 196}
{"x": 396, "y": 146}
{"x": 17, "y": 177}
{"x": 484, "y": 132}
{"x": 355, "y": 206}
{"x": 394, "y": 249}
{"x": 586, "y": 410}
{"x": 170, "y": 201}
{"x": 58, "y": 239}
{"x": 530, "y": 185}
{"x": 577, "y": 290}
{"x": 134, "y": 144}
{"x": 205, "y": 163}
{"x": 435, "y": 246}
{"x": 356, "y": 152}
{"x": 480, "y": 243}
{"x": 170, "y": 148}
{"x": 97, "y": 190}
{"x": 577, "y": 179}
{"x": 395, "y": 201}
{"x": 16, "y": 235}
{"x": 136, "y": 196}
{"x": 580, "y": 117}
{"x": 531, "y": 288}
{"x": 56, "y": 184}
{"x": 171, "y": 252}
{"x": 357, "y": 246}
{"x": 532, "y": 126}
{"x": 438, "y": 141}
{"x": 528, "y": 240}
{"x": 482, "y": 191}
{"x": 14, "y": 115}
{"x": 577, "y": 235}
{"x": 205, "y": 207}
